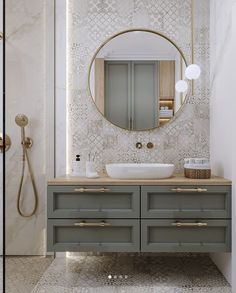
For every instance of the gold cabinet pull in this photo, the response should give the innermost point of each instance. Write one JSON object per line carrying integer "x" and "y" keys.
{"x": 179, "y": 224}
{"x": 91, "y": 189}
{"x": 85, "y": 224}
{"x": 189, "y": 189}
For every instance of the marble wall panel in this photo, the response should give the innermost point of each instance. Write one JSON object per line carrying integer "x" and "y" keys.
{"x": 25, "y": 93}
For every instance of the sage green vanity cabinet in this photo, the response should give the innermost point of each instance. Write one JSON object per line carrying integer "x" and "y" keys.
{"x": 94, "y": 235}
{"x": 93, "y": 202}
{"x": 185, "y": 235}
{"x": 134, "y": 218}
{"x": 186, "y": 202}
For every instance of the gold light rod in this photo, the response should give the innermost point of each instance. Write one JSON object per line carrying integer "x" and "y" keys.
{"x": 192, "y": 35}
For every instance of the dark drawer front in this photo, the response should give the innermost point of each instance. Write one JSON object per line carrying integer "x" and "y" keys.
{"x": 93, "y": 202}
{"x": 165, "y": 236}
{"x": 186, "y": 202}
{"x": 90, "y": 235}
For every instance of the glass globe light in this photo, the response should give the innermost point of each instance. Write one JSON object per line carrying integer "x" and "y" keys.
{"x": 181, "y": 86}
{"x": 193, "y": 71}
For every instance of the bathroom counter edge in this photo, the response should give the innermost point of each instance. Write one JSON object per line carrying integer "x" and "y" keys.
{"x": 177, "y": 179}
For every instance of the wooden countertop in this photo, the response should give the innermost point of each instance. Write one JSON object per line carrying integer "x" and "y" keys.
{"x": 177, "y": 179}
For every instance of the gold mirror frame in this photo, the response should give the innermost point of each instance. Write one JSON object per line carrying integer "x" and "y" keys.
{"x": 121, "y": 33}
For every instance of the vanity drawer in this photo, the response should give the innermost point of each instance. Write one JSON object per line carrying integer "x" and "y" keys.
{"x": 93, "y": 202}
{"x": 91, "y": 235}
{"x": 186, "y": 202}
{"x": 166, "y": 236}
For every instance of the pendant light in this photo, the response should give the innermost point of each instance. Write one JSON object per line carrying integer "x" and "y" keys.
{"x": 181, "y": 86}
{"x": 193, "y": 72}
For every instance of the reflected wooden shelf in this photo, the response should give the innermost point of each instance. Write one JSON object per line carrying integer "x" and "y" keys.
{"x": 166, "y": 99}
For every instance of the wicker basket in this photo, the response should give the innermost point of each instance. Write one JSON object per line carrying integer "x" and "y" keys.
{"x": 197, "y": 173}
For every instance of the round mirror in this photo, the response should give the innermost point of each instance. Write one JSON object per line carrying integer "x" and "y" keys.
{"x": 132, "y": 79}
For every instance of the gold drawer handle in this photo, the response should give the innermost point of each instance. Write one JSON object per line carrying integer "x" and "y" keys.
{"x": 92, "y": 190}
{"x": 179, "y": 224}
{"x": 189, "y": 189}
{"x": 85, "y": 224}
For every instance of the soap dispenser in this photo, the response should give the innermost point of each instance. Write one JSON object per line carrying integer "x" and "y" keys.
{"x": 77, "y": 167}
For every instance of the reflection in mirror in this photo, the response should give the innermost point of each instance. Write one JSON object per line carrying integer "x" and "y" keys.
{"x": 132, "y": 80}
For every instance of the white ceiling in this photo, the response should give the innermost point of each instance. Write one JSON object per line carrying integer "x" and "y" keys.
{"x": 139, "y": 45}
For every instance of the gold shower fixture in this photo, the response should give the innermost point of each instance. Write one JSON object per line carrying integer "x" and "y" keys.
{"x": 22, "y": 121}
{"x": 26, "y": 142}
{"x": 5, "y": 143}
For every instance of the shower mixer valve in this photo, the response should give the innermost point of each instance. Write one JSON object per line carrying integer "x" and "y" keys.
{"x": 4, "y": 146}
{"x": 27, "y": 142}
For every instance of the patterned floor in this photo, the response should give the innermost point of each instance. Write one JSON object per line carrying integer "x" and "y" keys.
{"x": 132, "y": 273}
{"x": 23, "y": 273}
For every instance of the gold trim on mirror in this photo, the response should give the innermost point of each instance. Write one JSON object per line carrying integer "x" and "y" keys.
{"x": 116, "y": 35}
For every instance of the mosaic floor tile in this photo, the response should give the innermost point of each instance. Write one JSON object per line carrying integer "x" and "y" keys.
{"x": 133, "y": 273}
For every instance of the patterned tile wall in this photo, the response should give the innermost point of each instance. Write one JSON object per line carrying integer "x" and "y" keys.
{"x": 91, "y": 22}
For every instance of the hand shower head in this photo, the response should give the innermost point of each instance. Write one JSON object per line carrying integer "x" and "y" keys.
{"x": 26, "y": 142}
{"x": 21, "y": 120}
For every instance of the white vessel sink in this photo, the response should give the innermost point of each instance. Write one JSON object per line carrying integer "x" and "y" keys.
{"x": 139, "y": 171}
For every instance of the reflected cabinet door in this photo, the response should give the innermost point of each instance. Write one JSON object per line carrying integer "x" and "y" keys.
{"x": 131, "y": 93}
{"x": 145, "y": 94}
{"x": 117, "y": 92}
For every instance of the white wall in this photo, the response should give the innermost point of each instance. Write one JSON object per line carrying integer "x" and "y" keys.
{"x": 138, "y": 46}
{"x": 222, "y": 111}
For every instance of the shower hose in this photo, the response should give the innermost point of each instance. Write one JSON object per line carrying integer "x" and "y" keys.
{"x": 25, "y": 159}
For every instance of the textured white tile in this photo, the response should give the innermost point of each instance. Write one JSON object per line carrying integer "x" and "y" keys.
{"x": 188, "y": 134}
